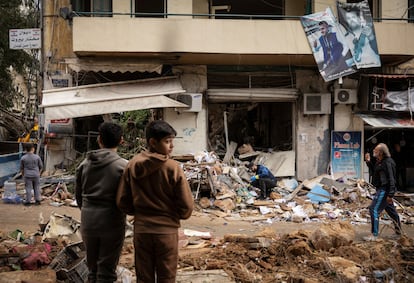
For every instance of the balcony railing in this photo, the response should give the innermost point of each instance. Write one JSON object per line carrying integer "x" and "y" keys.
{"x": 211, "y": 16}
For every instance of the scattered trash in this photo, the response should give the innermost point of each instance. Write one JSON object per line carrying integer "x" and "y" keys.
{"x": 318, "y": 194}
{"x": 70, "y": 263}
{"x": 384, "y": 274}
{"x": 223, "y": 190}
{"x": 62, "y": 225}
{"x": 10, "y": 194}
{"x": 17, "y": 235}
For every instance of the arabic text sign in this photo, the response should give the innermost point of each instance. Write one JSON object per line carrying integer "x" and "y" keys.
{"x": 25, "y": 38}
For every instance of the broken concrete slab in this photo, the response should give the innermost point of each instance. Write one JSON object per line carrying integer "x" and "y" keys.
{"x": 280, "y": 163}
{"x": 203, "y": 276}
{"x": 339, "y": 186}
{"x": 44, "y": 276}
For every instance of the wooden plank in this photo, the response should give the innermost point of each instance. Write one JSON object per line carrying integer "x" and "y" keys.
{"x": 230, "y": 152}
{"x": 294, "y": 193}
{"x": 249, "y": 154}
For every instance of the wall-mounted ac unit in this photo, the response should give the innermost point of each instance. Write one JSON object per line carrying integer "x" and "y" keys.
{"x": 193, "y": 100}
{"x": 316, "y": 103}
{"x": 345, "y": 96}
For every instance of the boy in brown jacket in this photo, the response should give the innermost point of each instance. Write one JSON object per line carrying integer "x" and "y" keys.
{"x": 155, "y": 190}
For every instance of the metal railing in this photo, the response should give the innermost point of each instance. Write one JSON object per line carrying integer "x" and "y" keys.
{"x": 211, "y": 16}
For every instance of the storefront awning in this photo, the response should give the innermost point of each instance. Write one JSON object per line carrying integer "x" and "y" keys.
{"x": 252, "y": 95}
{"x": 107, "y": 98}
{"x": 387, "y": 122}
{"x": 113, "y": 65}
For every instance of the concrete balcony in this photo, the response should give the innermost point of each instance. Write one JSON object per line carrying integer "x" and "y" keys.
{"x": 183, "y": 40}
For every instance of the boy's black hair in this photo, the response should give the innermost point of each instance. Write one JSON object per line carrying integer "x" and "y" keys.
{"x": 110, "y": 134}
{"x": 28, "y": 146}
{"x": 158, "y": 130}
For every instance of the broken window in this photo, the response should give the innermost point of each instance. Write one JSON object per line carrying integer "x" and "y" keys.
{"x": 154, "y": 8}
{"x": 266, "y": 126}
{"x": 232, "y": 9}
{"x": 94, "y": 8}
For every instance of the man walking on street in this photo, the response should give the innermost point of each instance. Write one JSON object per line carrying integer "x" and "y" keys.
{"x": 384, "y": 181}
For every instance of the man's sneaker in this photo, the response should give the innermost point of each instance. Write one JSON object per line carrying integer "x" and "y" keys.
{"x": 37, "y": 203}
{"x": 26, "y": 203}
{"x": 370, "y": 238}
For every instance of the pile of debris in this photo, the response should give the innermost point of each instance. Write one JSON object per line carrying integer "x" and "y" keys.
{"x": 328, "y": 254}
{"x": 222, "y": 190}
{"x": 55, "y": 253}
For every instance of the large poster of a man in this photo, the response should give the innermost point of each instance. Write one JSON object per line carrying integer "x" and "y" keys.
{"x": 355, "y": 21}
{"x": 328, "y": 45}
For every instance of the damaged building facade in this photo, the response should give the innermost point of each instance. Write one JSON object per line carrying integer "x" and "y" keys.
{"x": 220, "y": 71}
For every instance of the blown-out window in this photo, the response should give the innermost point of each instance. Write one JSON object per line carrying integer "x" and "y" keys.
{"x": 151, "y": 8}
{"x": 94, "y": 8}
{"x": 232, "y": 9}
{"x": 411, "y": 11}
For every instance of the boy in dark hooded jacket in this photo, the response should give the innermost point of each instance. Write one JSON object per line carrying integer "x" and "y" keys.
{"x": 155, "y": 190}
{"x": 102, "y": 223}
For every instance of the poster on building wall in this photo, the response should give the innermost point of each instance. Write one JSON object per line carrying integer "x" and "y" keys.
{"x": 355, "y": 22}
{"x": 328, "y": 45}
{"x": 346, "y": 153}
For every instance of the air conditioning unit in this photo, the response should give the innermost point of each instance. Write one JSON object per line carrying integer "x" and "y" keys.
{"x": 346, "y": 96}
{"x": 316, "y": 103}
{"x": 193, "y": 100}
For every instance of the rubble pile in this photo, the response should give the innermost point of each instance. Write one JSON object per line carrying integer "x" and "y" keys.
{"x": 223, "y": 190}
{"x": 328, "y": 254}
{"x": 218, "y": 186}
{"x": 55, "y": 252}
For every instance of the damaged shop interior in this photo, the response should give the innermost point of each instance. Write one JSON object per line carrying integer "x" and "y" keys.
{"x": 388, "y": 119}
{"x": 241, "y": 106}
{"x": 266, "y": 123}
{"x": 265, "y": 126}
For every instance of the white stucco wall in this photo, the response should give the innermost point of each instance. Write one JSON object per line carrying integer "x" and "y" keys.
{"x": 191, "y": 127}
{"x": 312, "y": 134}
{"x": 313, "y": 131}
{"x": 191, "y": 131}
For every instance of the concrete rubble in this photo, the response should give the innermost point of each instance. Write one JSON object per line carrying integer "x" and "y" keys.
{"x": 221, "y": 189}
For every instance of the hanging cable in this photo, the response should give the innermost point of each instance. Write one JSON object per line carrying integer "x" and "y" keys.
{"x": 409, "y": 100}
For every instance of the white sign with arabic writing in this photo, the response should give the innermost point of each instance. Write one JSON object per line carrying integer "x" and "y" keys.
{"x": 25, "y": 38}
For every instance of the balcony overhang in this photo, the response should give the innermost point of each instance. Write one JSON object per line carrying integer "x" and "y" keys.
{"x": 218, "y": 42}
{"x": 179, "y": 58}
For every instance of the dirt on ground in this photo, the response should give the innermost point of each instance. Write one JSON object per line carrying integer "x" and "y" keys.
{"x": 260, "y": 251}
